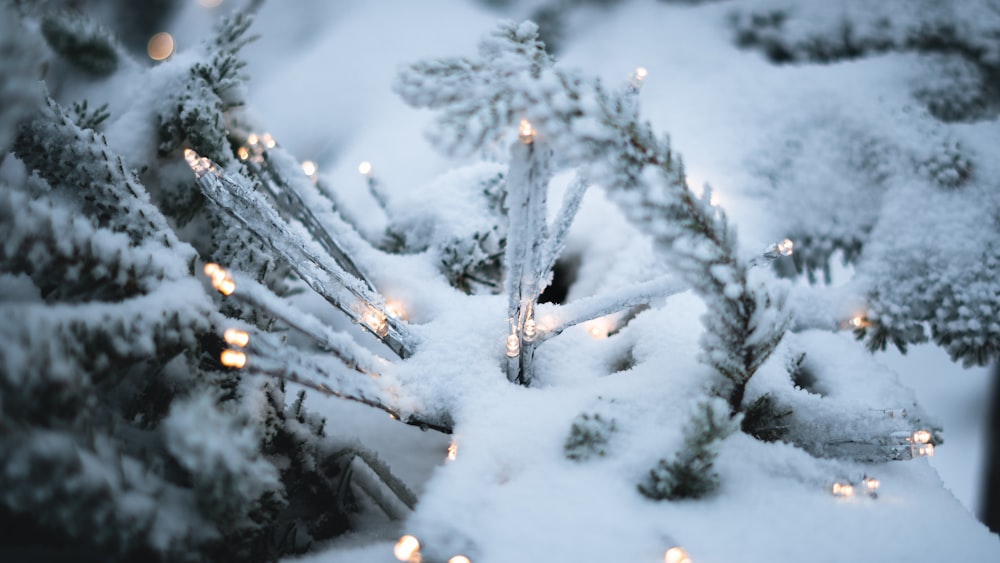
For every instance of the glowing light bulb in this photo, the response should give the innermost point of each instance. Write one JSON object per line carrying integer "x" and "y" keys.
{"x": 210, "y": 269}
{"x": 375, "y": 321}
{"x": 406, "y": 548}
{"x": 452, "y": 451}
{"x": 530, "y": 329}
{"x": 365, "y": 168}
{"x": 160, "y": 46}
{"x": 243, "y": 153}
{"x": 525, "y": 132}
{"x": 233, "y": 358}
{"x": 859, "y": 321}
{"x": 843, "y": 490}
{"x": 676, "y": 555}
{"x": 220, "y": 278}
{"x": 871, "y": 484}
{"x": 236, "y": 337}
{"x": 926, "y": 450}
{"x": 210, "y": 3}
{"x": 638, "y": 76}
{"x": 267, "y": 140}
{"x": 921, "y": 437}
{"x": 785, "y": 247}
{"x": 513, "y": 346}
{"x": 395, "y": 309}
{"x": 598, "y": 328}
{"x": 309, "y": 167}
{"x": 252, "y": 139}
{"x": 459, "y": 559}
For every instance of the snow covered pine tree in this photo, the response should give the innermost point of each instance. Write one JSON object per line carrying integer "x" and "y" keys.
{"x": 144, "y": 418}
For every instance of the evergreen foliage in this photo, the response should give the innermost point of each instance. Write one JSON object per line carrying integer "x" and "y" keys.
{"x": 589, "y": 437}
{"x": 690, "y": 475}
{"x": 83, "y": 42}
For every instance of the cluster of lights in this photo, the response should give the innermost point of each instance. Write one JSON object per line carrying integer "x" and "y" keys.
{"x": 407, "y": 549}
{"x": 234, "y": 358}
{"x": 200, "y": 165}
{"x": 868, "y": 486}
{"x": 160, "y": 46}
{"x": 221, "y": 280}
{"x": 676, "y": 555}
{"x": 920, "y": 443}
{"x": 785, "y": 247}
{"x": 525, "y": 132}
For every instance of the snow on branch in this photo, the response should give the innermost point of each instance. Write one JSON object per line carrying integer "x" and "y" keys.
{"x": 324, "y": 275}
{"x": 586, "y": 126}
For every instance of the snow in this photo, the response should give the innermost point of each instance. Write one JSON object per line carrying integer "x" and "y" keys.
{"x": 322, "y": 80}
{"x": 511, "y": 495}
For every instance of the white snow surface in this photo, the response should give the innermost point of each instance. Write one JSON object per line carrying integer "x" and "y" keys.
{"x": 321, "y": 76}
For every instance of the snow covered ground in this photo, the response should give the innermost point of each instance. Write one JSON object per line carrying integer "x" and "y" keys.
{"x": 321, "y": 78}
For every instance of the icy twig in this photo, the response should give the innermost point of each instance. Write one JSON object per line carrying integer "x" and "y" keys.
{"x": 322, "y": 274}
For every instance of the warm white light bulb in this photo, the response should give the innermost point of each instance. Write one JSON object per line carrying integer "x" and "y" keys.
{"x": 530, "y": 330}
{"x": 676, "y": 555}
{"x": 513, "y": 346}
{"x": 365, "y": 168}
{"x": 406, "y": 548}
{"x": 459, "y": 559}
{"x": 233, "y": 358}
{"x": 785, "y": 247}
{"x": 843, "y": 489}
{"x": 871, "y": 484}
{"x": 452, "y": 451}
{"x": 921, "y": 436}
{"x": 525, "y": 132}
{"x": 268, "y": 140}
{"x": 236, "y": 337}
{"x": 252, "y": 139}
{"x": 243, "y": 153}
{"x": 376, "y": 322}
{"x": 309, "y": 167}
{"x": 395, "y": 309}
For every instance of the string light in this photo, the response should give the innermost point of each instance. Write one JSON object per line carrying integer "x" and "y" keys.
{"x": 220, "y": 278}
{"x": 243, "y": 153}
{"x": 452, "y": 451}
{"x": 921, "y": 436}
{"x": 530, "y": 329}
{"x": 267, "y": 140}
{"x": 598, "y": 329}
{"x": 676, "y": 555}
{"x": 638, "y": 76}
{"x": 871, "y": 486}
{"x": 407, "y": 549}
{"x": 859, "y": 321}
{"x": 513, "y": 346}
{"x": 842, "y": 490}
{"x": 236, "y": 337}
{"x": 160, "y": 46}
{"x": 459, "y": 559}
{"x": 376, "y": 322}
{"x": 525, "y": 132}
{"x": 309, "y": 167}
{"x": 925, "y": 450}
{"x": 252, "y": 139}
{"x": 785, "y": 247}
{"x": 233, "y": 358}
